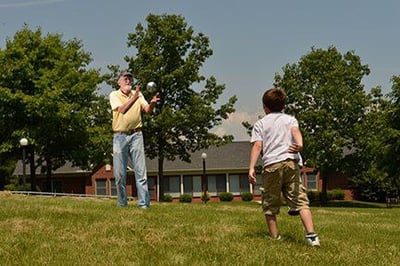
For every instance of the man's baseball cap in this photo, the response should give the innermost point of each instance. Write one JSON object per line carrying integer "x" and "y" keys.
{"x": 124, "y": 74}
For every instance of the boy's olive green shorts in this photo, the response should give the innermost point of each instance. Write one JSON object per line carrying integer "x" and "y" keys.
{"x": 283, "y": 178}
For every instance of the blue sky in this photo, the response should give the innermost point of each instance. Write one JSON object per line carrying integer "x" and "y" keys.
{"x": 252, "y": 40}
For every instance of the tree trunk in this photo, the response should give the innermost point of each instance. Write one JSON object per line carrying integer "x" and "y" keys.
{"x": 161, "y": 178}
{"x": 48, "y": 175}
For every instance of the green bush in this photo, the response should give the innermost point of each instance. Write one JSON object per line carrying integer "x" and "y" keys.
{"x": 185, "y": 198}
{"x": 205, "y": 196}
{"x": 336, "y": 194}
{"x": 167, "y": 198}
{"x": 247, "y": 196}
{"x": 313, "y": 196}
{"x": 225, "y": 196}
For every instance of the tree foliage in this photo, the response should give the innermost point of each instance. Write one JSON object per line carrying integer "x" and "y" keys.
{"x": 367, "y": 179}
{"x": 170, "y": 53}
{"x": 326, "y": 95}
{"x": 391, "y": 148}
{"x": 48, "y": 96}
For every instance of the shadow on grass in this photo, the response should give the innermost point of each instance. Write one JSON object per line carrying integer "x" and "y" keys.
{"x": 350, "y": 204}
{"x": 286, "y": 238}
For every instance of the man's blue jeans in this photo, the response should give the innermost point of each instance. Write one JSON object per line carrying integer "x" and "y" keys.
{"x": 133, "y": 146}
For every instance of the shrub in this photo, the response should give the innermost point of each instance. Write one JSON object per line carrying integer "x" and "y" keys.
{"x": 225, "y": 196}
{"x": 205, "y": 196}
{"x": 336, "y": 194}
{"x": 167, "y": 198}
{"x": 313, "y": 196}
{"x": 247, "y": 196}
{"x": 185, "y": 198}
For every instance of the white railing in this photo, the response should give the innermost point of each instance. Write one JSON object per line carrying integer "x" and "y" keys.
{"x": 57, "y": 194}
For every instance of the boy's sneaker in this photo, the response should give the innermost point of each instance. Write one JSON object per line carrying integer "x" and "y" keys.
{"x": 312, "y": 240}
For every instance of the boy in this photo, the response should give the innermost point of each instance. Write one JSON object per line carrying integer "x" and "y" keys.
{"x": 278, "y": 139}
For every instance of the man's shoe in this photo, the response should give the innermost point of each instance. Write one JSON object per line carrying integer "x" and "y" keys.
{"x": 312, "y": 240}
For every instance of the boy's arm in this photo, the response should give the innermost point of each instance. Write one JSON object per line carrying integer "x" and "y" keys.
{"x": 255, "y": 152}
{"x": 297, "y": 146}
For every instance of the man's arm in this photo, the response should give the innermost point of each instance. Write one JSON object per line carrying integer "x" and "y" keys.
{"x": 149, "y": 108}
{"x": 126, "y": 106}
{"x": 255, "y": 152}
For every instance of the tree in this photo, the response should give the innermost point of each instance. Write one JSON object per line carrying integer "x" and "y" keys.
{"x": 326, "y": 95}
{"x": 369, "y": 180}
{"x": 48, "y": 95}
{"x": 171, "y": 54}
{"x": 391, "y": 146}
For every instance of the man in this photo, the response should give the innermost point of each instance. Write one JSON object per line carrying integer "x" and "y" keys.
{"x": 127, "y": 108}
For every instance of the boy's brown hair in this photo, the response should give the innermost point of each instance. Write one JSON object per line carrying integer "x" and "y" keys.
{"x": 274, "y": 99}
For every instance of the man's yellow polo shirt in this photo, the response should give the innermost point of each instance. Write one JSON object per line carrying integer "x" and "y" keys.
{"x": 132, "y": 119}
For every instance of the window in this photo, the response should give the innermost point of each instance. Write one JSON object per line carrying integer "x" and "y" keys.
{"x": 221, "y": 183}
{"x": 192, "y": 185}
{"x": 234, "y": 185}
{"x": 151, "y": 183}
{"x": 57, "y": 186}
{"x": 238, "y": 184}
{"x": 196, "y": 186}
{"x": 188, "y": 184}
{"x": 244, "y": 183}
{"x": 172, "y": 185}
{"x": 216, "y": 184}
{"x": 212, "y": 186}
{"x": 101, "y": 187}
{"x": 312, "y": 182}
{"x": 113, "y": 187}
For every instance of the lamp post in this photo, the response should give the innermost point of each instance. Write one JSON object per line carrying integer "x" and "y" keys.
{"x": 204, "y": 180}
{"x": 24, "y": 143}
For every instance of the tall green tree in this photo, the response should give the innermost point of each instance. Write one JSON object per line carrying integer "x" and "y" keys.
{"x": 391, "y": 157}
{"x": 48, "y": 95}
{"x": 170, "y": 53}
{"x": 326, "y": 95}
{"x": 369, "y": 180}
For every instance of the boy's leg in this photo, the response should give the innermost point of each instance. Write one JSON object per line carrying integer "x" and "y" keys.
{"x": 311, "y": 238}
{"x": 271, "y": 196}
{"x": 306, "y": 219}
{"x": 272, "y": 225}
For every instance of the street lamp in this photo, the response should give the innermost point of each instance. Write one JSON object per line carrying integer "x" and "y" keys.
{"x": 204, "y": 157}
{"x": 24, "y": 143}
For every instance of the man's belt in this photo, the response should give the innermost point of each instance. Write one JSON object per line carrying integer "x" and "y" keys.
{"x": 129, "y": 132}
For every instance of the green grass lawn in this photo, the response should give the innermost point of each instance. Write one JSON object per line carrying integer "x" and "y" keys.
{"x": 38, "y": 230}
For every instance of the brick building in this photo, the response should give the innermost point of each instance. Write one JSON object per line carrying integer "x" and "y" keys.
{"x": 226, "y": 169}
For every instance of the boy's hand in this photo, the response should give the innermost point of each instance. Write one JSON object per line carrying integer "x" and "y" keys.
{"x": 252, "y": 176}
{"x": 295, "y": 148}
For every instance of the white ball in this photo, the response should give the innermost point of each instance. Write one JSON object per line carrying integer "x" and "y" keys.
{"x": 151, "y": 85}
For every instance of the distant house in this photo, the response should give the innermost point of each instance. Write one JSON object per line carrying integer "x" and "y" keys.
{"x": 226, "y": 169}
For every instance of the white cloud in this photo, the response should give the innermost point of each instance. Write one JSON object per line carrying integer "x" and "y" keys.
{"x": 29, "y": 3}
{"x": 233, "y": 125}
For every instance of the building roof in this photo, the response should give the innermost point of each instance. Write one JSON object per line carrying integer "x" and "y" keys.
{"x": 233, "y": 156}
